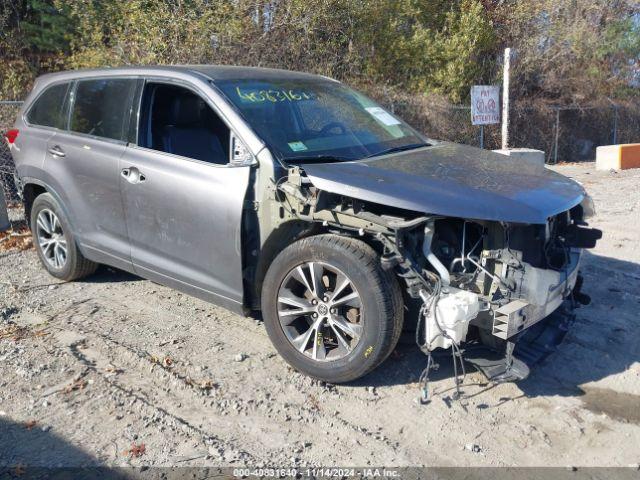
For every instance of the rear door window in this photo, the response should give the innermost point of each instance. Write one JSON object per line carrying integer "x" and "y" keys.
{"x": 48, "y": 110}
{"x": 101, "y": 107}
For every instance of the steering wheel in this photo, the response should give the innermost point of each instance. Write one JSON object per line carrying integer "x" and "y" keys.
{"x": 330, "y": 126}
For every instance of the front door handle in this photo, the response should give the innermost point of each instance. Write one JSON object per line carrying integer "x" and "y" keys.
{"x": 56, "y": 151}
{"x": 133, "y": 175}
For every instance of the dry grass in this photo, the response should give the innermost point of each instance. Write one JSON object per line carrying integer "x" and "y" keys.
{"x": 17, "y": 332}
{"x": 16, "y": 240}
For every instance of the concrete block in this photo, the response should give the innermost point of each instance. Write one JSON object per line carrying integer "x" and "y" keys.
{"x": 618, "y": 157}
{"x": 526, "y": 155}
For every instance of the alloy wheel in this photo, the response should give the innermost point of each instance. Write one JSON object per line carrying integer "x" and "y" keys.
{"x": 320, "y": 311}
{"x": 51, "y": 239}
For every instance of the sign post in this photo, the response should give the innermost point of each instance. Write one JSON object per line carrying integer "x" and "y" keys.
{"x": 485, "y": 107}
{"x": 505, "y": 98}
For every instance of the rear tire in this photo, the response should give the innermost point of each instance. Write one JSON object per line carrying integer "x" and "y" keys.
{"x": 369, "y": 323}
{"x": 55, "y": 243}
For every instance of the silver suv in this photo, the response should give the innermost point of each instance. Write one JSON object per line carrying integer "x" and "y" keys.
{"x": 294, "y": 197}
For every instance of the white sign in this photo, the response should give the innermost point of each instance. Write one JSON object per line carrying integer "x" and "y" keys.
{"x": 485, "y": 104}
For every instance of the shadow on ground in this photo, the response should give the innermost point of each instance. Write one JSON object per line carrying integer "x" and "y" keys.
{"x": 25, "y": 448}
{"x": 106, "y": 274}
{"x": 28, "y": 452}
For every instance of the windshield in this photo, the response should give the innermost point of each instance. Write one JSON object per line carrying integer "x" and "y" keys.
{"x": 318, "y": 120}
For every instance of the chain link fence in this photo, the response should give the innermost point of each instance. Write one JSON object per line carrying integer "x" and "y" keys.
{"x": 565, "y": 134}
{"x": 8, "y": 188}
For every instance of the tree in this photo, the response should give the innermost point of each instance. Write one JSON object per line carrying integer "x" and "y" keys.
{"x": 573, "y": 51}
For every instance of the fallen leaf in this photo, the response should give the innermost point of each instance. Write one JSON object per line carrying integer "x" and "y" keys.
{"x": 76, "y": 385}
{"x": 206, "y": 384}
{"x": 315, "y": 404}
{"x": 167, "y": 362}
{"x": 19, "y": 470}
{"x": 16, "y": 240}
{"x": 135, "y": 450}
{"x": 113, "y": 369}
{"x": 17, "y": 332}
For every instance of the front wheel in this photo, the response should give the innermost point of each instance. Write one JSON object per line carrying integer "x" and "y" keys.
{"x": 330, "y": 309}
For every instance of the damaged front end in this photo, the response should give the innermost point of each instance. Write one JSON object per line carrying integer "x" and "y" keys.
{"x": 475, "y": 282}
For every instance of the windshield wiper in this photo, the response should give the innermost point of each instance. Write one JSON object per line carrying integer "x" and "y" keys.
{"x": 319, "y": 158}
{"x": 402, "y": 148}
{"x": 335, "y": 158}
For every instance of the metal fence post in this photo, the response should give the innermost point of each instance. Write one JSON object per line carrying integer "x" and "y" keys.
{"x": 506, "y": 72}
{"x": 5, "y": 224}
{"x": 615, "y": 125}
{"x": 555, "y": 155}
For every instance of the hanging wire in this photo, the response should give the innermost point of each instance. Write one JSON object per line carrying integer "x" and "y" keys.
{"x": 431, "y": 304}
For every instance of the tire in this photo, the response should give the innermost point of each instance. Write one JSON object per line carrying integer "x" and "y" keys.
{"x": 374, "y": 316}
{"x": 75, "y": 265}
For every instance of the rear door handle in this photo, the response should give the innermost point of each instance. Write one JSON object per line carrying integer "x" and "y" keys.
{"x": 56, "y": 151}
{"x": 133, "y": 175}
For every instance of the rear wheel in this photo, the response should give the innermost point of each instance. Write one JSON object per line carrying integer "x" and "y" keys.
{"x": 55, "y": 243}
{"x": 330, "y": 309}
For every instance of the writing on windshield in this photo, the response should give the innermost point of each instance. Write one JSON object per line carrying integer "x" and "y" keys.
{"x": 315, "y": 119}
{"x": 257, "y": 96}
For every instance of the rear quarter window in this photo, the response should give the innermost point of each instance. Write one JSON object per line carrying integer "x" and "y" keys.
{"x": 48, "y": 109}
{"x": 101, "y": 107}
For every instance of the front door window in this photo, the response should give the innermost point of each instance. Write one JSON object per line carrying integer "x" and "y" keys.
{"x": 175, "y": 120}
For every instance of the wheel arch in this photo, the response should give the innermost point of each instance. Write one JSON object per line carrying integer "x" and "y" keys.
{"x": 31, "y": 189}
{"x": 278, "y": 240}
{"x": 283, "y": 236}
{"x": 30, "y": 192}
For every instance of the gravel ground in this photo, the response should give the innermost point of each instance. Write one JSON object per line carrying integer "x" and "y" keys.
{"x": 116, "y": 370}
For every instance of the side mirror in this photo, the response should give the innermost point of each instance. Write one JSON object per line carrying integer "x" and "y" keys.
{"x": 240, "y": 154}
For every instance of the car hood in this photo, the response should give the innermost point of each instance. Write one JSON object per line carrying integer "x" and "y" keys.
{"x": 455, "y": 181}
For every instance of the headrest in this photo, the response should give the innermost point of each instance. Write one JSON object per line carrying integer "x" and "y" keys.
{"x": 185, "y": 110}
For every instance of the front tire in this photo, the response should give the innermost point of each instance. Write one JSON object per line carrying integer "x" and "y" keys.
{"x": 55, "y": 243}
{"x": 330, "y": 309}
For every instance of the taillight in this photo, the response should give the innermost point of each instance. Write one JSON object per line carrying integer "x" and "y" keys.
{"x": 11, "y": 136}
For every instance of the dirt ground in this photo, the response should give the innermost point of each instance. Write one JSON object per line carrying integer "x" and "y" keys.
{"x": 116, "y": 370}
